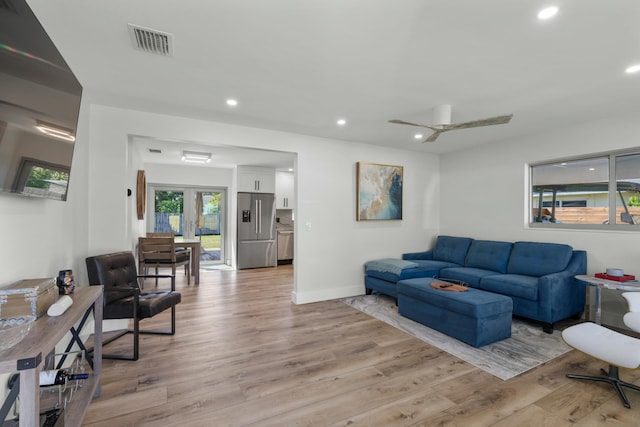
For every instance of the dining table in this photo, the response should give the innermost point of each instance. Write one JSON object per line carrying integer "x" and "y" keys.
{"x": 195, "y": 246}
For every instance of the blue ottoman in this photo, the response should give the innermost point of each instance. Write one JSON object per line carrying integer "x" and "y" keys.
{"x": 475, "y": 317}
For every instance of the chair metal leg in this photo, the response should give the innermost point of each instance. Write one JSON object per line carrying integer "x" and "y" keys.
{"x": 612, "y": 377}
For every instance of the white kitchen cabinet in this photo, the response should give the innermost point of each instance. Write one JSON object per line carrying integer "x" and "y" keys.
{"x": 284, "y": 190}
{"x": 256, "y": 180}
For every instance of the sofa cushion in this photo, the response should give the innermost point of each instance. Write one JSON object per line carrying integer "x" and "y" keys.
{"x": 489, "y": 255}
{"x": 434, "y": 266}
{"x": 451, "y": 249}
{"x": 408, "y": 273}
{"x": 538, "y": 259}
{"x": 391, "y": 265}
{"x": 392, "y": 269}
{"x": 469, "y": 275}
{"x": 513, "y": 285}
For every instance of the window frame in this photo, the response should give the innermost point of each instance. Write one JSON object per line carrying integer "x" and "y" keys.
{"x": 612, "y": 196}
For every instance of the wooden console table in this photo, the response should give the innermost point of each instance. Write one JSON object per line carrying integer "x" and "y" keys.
{"x": 26, "y": 356}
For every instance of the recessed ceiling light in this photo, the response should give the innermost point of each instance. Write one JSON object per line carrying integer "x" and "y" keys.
{"x": 633, "y": 69}
{"x": 592, "y": 169}
{"x": 232, "y": 102}
{"x": 547, "y": 13}
{"x": 418, "y": 136}
{"x": 341, "y": 122}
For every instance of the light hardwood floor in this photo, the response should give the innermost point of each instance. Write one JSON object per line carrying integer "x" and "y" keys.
{"x": 245, "y": 355}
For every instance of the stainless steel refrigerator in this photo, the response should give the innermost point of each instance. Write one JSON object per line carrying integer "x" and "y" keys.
{"x": 257, "y": 245}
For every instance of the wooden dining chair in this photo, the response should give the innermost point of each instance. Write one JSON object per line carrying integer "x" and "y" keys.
{"x": 165, "y": 234}
{"x": 160, "y": 252}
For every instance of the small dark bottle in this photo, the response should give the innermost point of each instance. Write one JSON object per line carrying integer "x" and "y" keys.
{"x": 59, "y": 377}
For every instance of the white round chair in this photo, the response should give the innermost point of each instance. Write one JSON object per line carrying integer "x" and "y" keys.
{"x": 618, "y": 350}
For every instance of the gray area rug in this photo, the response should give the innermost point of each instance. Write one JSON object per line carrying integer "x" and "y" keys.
{"x": 527, "y": 348}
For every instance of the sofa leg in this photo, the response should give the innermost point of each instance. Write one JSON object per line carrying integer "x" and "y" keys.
{"x": 368, "y": 291}
{"x": 547, "y": 328}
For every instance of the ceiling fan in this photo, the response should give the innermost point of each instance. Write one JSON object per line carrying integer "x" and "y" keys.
{"x": 442, "y": 120}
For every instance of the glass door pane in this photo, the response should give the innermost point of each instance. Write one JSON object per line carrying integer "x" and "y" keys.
{"x": 168, "y": 211}
{"x": 208, "y": 225}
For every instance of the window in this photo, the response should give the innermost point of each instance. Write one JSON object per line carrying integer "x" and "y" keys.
{"x": 603, "y": 191}
{"x": 42, "y": 178}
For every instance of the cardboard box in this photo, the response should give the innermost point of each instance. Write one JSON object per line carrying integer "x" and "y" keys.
{"x": 28, "y": 297}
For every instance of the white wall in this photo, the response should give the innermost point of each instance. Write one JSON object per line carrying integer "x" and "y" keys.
{"x": 331, "y": 246}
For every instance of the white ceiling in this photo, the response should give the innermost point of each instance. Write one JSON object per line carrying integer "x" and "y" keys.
{"x": 298, "y": 66}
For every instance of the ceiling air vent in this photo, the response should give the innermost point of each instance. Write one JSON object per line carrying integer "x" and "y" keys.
{"x": 155, "y": 150}
{"x": 151, "y": 41}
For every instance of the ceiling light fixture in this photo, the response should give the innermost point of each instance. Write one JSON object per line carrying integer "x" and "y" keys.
{"x": 418, "y": 136}
{"x": 196, "y": 157}
{"x": 632, "y": 69}
{"x": 232, "y": 102}
{"x": 55, "y": 131}
{"x": 341, "y": 122}
{"x": 547, "y": 13}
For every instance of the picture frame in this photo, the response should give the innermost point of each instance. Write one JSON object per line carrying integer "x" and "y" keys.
{"x": 379, "y": 191}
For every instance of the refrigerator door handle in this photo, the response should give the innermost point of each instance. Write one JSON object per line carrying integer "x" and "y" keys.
{"x": 255, "y": 212}
{"x": 260, "y": 216}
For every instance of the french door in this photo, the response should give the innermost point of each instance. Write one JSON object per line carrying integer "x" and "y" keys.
{"x": 190, "y": 213}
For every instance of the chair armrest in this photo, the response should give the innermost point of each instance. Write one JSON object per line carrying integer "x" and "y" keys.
{"x": 632, "y": 320}
{"x": 124, "y": 289}
{"x": 633, "y": 300}
{"x": 160, "y": 276}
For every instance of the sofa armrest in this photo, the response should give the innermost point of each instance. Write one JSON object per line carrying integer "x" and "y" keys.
{"x": 418, "y": 255}
{"x": 559, "y": 293}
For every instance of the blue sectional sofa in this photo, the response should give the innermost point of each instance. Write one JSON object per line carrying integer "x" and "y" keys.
{"x": 538, "y": 277}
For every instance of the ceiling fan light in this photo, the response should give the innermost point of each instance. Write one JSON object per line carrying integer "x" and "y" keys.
{"x": 548, "y": 13}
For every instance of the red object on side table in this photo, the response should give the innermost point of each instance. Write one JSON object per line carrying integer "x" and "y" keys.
{"x": 625, "y": 278}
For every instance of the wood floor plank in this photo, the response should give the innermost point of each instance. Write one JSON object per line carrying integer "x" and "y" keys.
{"x": 244, "y": 354}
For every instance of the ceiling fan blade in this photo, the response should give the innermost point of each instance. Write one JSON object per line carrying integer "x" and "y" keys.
{"x": 498, "y": 120}
{"x": 433, "y": 137}
{"x": 402, "y": 122}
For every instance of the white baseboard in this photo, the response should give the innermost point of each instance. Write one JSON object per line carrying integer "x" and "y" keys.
{"x": 326, "y": 294}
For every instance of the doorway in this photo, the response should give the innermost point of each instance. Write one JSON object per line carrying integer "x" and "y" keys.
{"x": 190, "y": 213}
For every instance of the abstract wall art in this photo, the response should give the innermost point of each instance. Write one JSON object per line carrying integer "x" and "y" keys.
{"x": 379, "y": 189}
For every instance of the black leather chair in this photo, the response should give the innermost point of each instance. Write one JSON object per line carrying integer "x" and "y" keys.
{"x": 123, "y": 298}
